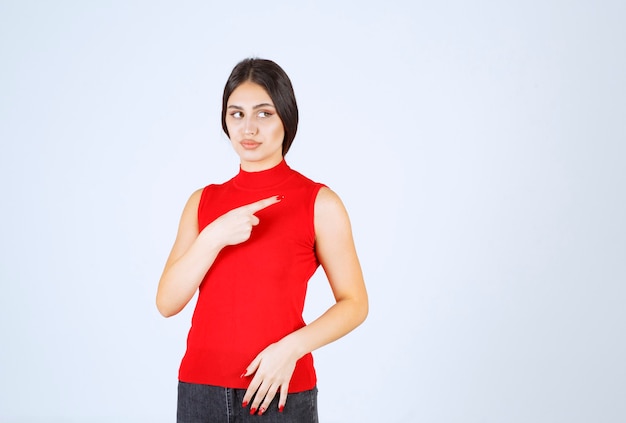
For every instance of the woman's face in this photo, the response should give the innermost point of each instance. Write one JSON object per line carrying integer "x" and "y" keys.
{"x": 255, "y": 129}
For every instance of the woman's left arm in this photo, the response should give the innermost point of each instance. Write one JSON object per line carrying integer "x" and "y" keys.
{"x": 335, "y": 249}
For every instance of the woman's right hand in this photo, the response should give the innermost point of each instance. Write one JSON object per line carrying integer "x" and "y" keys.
{"x": 235, "y": 226}
{"x": 193, "y": 254}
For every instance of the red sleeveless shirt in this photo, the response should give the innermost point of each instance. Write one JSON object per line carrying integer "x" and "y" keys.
{"x": 253, "y": 294}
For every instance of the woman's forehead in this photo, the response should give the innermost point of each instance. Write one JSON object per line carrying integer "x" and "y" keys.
{"x": 249, "y": 93}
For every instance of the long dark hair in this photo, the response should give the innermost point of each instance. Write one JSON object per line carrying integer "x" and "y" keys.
{"x": 277, "y": 84}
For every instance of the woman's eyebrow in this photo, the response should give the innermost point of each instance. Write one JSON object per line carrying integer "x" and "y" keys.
{"x": 258, "y": 106}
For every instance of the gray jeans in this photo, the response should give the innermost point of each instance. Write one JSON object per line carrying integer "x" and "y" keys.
{"x": 214, "y": 404}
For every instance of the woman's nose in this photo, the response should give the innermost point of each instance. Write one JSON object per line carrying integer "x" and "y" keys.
{"x": 250, "y": 127}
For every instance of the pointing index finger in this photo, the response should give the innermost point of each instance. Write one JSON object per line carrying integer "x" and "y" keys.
{"x": 266, "y": 202}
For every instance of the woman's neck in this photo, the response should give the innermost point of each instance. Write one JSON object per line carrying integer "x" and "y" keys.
{"x": 258, "y": 166}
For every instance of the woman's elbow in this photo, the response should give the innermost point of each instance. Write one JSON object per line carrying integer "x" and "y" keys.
{"x": 165, "y": 309}
{"x": 363, "y": 310}
{"x": 359, "y": 310}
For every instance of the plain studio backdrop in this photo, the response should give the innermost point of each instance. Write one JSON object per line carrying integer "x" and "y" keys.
{"x": 479, "y": 147}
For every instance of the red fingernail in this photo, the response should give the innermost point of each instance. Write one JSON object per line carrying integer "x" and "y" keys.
{"x": 243, "y": 375}
{"x": 280, "y": 197}
{"x": 261, "y": 411}
{"x": 252, "y": 410}
{"x": 281, "y": 408}
{"x": 244, "y": 404}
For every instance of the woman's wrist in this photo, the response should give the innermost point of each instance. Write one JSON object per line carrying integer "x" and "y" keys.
{"x": 294, "y": 342}
{"x": 210, "y": 241}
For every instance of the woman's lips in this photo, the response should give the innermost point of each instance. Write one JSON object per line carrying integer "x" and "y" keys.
{"x": 249, "y": 144}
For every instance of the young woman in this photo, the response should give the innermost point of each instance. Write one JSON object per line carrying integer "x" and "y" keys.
{"x": 250, "y": 245}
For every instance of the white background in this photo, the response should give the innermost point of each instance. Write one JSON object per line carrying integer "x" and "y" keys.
{"x": 478, "y": 146}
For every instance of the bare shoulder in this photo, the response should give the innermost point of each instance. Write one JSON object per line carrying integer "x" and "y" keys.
{"x": 189, "y": 218}
{"x": 326, "y": 197}
{"x": 334, "y": 246}
{"x": 187, "y": 227}
{"x": 327, "y": 201}
{"x": 194, "y": 198}
{"x": 330, "y": 212}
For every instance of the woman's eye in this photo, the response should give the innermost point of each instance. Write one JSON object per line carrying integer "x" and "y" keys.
{"x": 264, "y": 114}
{"x": 237, "y": 115}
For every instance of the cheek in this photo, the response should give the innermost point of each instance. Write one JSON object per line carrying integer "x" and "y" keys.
{"x": 279, "y": 131}
{"x": 231, "y": 127}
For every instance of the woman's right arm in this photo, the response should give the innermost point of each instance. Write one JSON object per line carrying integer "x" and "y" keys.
{"x": 191, "y": 257}
{"x": 193, "y": 253}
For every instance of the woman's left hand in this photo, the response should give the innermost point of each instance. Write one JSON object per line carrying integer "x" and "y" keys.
{"x": 272, "y": 370}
